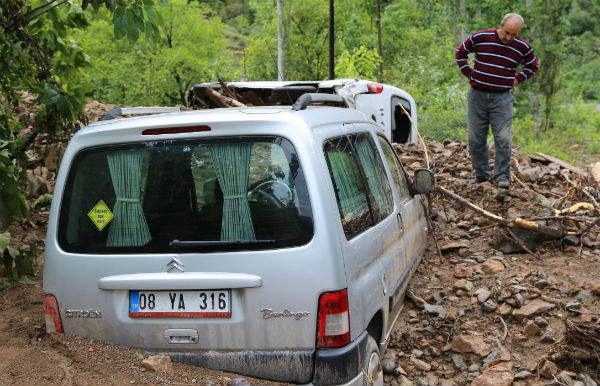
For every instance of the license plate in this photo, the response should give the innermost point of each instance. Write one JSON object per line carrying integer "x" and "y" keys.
{"x": 180, "y": 304}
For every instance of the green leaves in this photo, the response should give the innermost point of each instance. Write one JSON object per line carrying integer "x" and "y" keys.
{"x": 362, "y": 63}
{"x": 17, "y": 262}
{"x": 129, "y": 21}
{"x": 12, "y": 202}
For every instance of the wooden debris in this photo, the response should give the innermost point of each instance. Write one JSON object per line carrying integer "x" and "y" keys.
{"x": 564, "y": 164}
{"x": 222, "y": 100}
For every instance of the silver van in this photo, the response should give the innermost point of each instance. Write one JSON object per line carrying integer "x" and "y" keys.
{"x": 275, "y": 243}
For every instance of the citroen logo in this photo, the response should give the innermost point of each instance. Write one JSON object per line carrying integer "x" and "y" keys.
{"x": 175, "y": 265}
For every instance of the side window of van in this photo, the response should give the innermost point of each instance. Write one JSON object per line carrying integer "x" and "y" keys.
{"x": 396, "y": 168}
{"x": 362, "y": 190}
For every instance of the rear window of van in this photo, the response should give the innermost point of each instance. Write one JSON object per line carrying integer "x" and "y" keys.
{"x": 202, "y": 195}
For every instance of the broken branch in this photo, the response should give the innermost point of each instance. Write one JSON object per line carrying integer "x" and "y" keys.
{"x": 516, "y": 223}
{"x": 222, "y": 100}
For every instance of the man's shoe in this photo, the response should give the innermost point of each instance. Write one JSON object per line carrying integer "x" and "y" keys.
{"x": 503, "y": 184}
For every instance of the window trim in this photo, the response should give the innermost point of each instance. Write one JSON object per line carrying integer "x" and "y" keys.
{"x": 402, "y": 169}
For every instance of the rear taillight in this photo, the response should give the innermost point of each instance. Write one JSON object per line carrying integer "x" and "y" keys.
{"x": 51, "y": 314}
{"x": 175, "y": 130}
{"x": 374, "y": 88}
{"x": 334, "y": 319}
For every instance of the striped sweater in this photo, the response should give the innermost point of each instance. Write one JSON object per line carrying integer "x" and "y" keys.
{"x": 495, "y": 63}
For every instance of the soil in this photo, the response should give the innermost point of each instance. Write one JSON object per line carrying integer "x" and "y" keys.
{"x": 557, "y": 271}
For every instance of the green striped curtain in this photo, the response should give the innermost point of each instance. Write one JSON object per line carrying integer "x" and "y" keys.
{"x": 128, "y": 227}
{"x": 350, "y": 200}
{"x": 375, "y": 174}
{"x": 232, "y": 167}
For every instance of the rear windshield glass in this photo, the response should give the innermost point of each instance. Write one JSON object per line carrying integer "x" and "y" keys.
{"x": 235, "y": 193}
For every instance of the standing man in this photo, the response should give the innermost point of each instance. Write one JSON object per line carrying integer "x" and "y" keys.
{"x": 498, "y": 52}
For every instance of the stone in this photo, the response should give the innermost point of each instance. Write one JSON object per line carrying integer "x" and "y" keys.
{"x": 505, "y": 355}
{"x": 460, "y": 284}
{"x": 419, "y": 364}
{"x": 432, "y": 380}
{"x": 532, "y": 308}
{"x": 565, "y": 378}
{"x": 523, "y": 375}
{"x": 586, "y": 379}
{"x": 238, "y": 382}
{"x": 497, "y": 375}
{"x": 417, "y": 353}
{"x": 548, "y": 369}
{"x": 504, "y": 309}
{"x": 547, "y": 338}
{"x": 158, "y": 363}
{"x": 492, "y": 267}
{"x": 585, "y": 297}
{"x": 473, "y": 375}
{"x": 489, "y": 306}
{"x": 541, "y": 284}
{"x": 541, "y": 322}
{"x": 403, "y": 381}
{"x": 519, "y": 299}
{"x": 596, "y": 289}
{"x": 453, "y": 245}
{"x": 492, "y": 357}
{"x": 421, "y": 382}
{"x": 432, "y": 309}
{"x": 459, "y": 362}
{"x": 388, "y": 363}
{"x": 462, "y": 271}
{"x": 399, "y": 370}
{"x": 532, "y": 329}
{"x": 482, "y": 294}
{"x": 573, "y": 304}
{"x": 470, "y": 344}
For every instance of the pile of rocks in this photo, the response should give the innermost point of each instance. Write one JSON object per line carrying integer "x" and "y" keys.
{"x": 482, "y": 315}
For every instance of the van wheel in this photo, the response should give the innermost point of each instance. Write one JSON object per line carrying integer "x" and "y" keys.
{"x": 372, "y": 364}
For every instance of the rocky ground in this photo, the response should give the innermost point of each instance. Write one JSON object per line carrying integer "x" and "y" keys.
{"x": 481, "y": 310}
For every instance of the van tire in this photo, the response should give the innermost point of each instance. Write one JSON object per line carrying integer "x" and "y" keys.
{"x": 371, "y": 364}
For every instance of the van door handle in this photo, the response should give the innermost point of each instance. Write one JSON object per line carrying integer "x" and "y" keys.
{"x": 181, "y": 335}
{"x": 400, "y": 222}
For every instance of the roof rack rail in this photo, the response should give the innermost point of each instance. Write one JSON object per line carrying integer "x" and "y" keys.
{"x": 114, "y": 113}
{"x": 306, "y": 99}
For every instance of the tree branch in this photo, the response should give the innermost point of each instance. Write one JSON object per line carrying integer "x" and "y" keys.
{"x": 45, "y": 11}
{"x": 40, "y": 7}
{"x": 516, "y": 223}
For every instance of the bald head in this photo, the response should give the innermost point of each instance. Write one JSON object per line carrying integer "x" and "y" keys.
{"x": 510, "y": 26}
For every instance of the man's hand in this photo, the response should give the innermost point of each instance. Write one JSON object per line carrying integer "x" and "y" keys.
{"x": 515, "y": 82}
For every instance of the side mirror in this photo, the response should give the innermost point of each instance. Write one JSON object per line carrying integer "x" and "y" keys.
{"x": 423, "y": 182}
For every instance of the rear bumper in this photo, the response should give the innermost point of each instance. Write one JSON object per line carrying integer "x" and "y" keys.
{"x": 339, "y": 365}
{"x": 280, "y": 366}
{"x": 318, "y": 367}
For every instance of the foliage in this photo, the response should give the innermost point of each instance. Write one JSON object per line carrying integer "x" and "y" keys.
{"x": 362, "y": 63}
{"x": 573, "y": 135}
{"x": 37, "y": 56}
{"x": 192, "y": 49}
{"x": 12, "y": 202}
{"x": 17, "y": 262}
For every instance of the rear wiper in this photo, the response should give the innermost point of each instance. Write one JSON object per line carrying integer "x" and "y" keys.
{"x": 191, "y": 244}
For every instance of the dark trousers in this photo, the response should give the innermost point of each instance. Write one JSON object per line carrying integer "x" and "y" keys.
{"x": 485, "y": 109}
